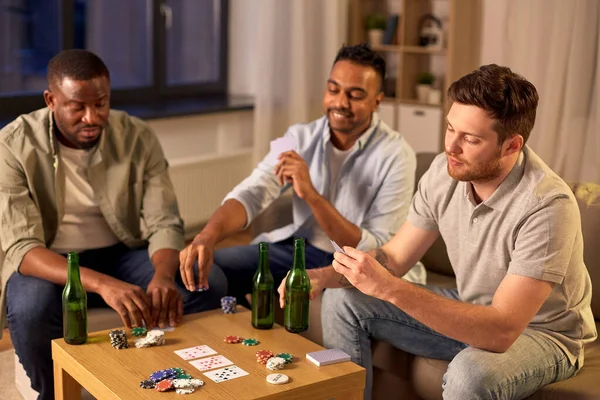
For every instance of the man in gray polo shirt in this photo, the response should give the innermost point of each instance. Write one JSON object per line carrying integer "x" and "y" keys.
{"x": 521, "y": 314}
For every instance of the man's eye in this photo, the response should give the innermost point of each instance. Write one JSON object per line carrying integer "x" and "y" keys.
{"x": 470, "y": 141}
{"x": 333, "y": 90}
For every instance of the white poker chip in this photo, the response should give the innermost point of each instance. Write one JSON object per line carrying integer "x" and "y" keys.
{"x": 185, "y": 391}
{"x": 277, "y": 379}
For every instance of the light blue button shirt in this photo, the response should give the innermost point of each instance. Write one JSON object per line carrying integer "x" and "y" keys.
{"x": 373, "y": 190}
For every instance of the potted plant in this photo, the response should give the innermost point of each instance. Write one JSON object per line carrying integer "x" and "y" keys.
{"x": 425, "y": 82}
{"x": 375, "y": 28}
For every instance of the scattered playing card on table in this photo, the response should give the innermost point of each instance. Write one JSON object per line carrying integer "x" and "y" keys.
{"x": 226, "y": 374}
{"x": 211, "y": 362}
{"x": 337, "y": 247}
{"x": 195, "y": 352}
{"x": 326, "y": 357}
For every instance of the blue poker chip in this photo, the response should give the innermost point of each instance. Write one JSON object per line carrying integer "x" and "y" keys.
{"x": 163, "y": 374}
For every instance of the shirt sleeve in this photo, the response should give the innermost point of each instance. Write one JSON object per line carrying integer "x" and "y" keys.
{"x": 258, "y": 190}
{"x": 22, "y": 228}
{"x": 421, "y": 213}
{"x": 389, "y": 209}
{"x": 160, "y": 211}
{"x": 545, "y": 241}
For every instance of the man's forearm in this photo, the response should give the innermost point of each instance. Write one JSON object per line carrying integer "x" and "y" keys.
{"x": 338, "y": 228}
{"x": 166, "y": 263}
{"x": 477, "y": 325}
{"x": 381, "y": 257}
{"x": 229, "y": 218}
{"x": 48, "y": 265}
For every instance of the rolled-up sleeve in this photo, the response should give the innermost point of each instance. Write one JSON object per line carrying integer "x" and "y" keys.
{"x": 22, "y": 228}
{"x": 258, "y": 190}
{"x": 160, "y": 211}
{"x": 390, "y": 207}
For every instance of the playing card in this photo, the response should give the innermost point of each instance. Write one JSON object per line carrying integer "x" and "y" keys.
{"x": 211, "y": 362}
{"x": 226, "y": 374}
{"x": 195, "y": 352}
{"x": 336, "y": 247}
{"x": 326, "y": 357}
{"x": 281, "y": 145}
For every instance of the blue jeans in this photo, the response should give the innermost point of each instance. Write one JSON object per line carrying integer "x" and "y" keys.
{"x": 352, "y": 319}
{"x": 34, "y": 306}
{"x": 239, "y": 264}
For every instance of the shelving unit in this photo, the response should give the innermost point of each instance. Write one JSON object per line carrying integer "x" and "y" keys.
{"x": 459, "y": 55}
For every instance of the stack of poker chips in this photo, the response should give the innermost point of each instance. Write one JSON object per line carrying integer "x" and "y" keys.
{"x": 250, "y": 342}
{"x": 172, "y": 378}
{"x": 275, "y": 363}
{"x": 118, "y": 339}
{"x": 228, "y": 304}
{"x": 153, "y": 338}
{"x": 233, "y": 339}
{"x": 262, "y": 356}
{"x": 288, "y": 357}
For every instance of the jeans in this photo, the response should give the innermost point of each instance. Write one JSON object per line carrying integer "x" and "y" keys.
{"x": 34, "y": 306}
{"x": 239, "y": 264}
{"x": 352, "y": 319}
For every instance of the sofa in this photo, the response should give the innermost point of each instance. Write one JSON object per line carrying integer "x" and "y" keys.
{"x": 419, "y": 378}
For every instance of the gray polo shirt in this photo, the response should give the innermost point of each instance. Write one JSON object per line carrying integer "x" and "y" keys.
{"x": 530, "y": 226}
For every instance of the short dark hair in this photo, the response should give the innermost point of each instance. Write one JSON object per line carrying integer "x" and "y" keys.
{"x": 506, "y": 96}
{"x": 76, "y": 64}
{"x": 362, "y": 54}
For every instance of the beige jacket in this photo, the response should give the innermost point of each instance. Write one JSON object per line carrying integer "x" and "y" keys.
{"x": 128, "y": 173}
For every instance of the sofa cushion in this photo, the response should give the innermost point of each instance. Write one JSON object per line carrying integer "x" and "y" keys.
{"x": 588, "y": 198}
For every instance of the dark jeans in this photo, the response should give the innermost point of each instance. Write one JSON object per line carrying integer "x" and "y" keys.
{"x": 34, "y": 307}
{"x": 239, "y": 264}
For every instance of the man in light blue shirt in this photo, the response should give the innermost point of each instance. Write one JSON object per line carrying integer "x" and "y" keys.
{"x": 352, "y": 178}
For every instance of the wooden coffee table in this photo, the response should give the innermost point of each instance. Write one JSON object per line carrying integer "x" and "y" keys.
{"x": 108, "y": 373}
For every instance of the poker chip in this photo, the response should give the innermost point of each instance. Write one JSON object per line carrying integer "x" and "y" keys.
{"x": 164, "y": 385}
{"x": 262, "y": 356}
{"x": 139, "y": 331}
{"x": 185, "y": 391}
{"x": 288, "y": 357}
{"x": 118, "y": 339}
{"x": 233, "y": 339}
{"x": 147, "y": 384}
{"x": 153, "y": 338}
{"x": 183, "y": 376}
{"x": 250, "y": 342}
{"x": 163, "y": 374}
{"x": 228, "y": 304}
{"x": 275, "y": 363}
{"x": 277, "y": 379}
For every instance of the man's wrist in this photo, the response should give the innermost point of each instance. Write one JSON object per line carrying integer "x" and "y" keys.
{"x": 313, "y": 199}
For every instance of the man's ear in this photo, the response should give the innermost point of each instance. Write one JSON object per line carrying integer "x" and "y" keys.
{"x": 379, "y": 98}
{"x": 49, "y": 99}
{"x": 513, "y": 144}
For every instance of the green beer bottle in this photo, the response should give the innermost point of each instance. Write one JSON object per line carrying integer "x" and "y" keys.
{"x": 74, "y": 303}
{"x": 297, "y": 290}
{"x": 263, "y": 286}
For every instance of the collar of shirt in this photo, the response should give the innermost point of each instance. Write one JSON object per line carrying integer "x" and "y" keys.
{"x": 364, "y": 139}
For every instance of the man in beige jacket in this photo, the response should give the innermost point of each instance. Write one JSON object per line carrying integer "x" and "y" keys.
{"x": 77, "y": 176}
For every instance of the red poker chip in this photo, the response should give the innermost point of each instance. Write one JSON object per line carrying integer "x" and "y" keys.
{"x": 264, "y": 353}
{"x": 164, "y": 385}
{"x": 233, "y": 339}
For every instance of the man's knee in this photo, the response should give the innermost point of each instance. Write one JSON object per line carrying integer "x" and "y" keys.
{"x": 469, "y": 376}
{"x": 33, "y": 303}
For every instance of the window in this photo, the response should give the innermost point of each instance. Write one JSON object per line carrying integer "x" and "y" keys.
{"x": 154, "y": 49}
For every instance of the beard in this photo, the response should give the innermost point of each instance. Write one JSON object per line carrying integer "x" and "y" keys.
{"x": 481, "y": 171}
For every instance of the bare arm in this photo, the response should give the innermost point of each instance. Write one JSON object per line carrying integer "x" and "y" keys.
{"x": 332, "y": 222}
{"x": 492, "y": 328}
{"x": 229, "y": 218}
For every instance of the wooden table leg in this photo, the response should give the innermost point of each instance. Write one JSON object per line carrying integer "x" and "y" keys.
{"x": 65, "y": 387}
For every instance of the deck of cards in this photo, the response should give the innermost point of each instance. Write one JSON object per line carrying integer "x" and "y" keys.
{"x": 281, "y": 145}
{"x": 326, "y": 357}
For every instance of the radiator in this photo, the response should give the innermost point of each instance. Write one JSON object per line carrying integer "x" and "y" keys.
{"x": 201, "y": 183}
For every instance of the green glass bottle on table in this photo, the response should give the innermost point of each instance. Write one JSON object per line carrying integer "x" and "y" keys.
{"x": 263, "y": 287}
{"x": 297, "y": 291}
{"x": 74, "y": 304}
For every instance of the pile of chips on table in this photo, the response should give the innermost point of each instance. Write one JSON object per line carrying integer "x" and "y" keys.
{"x": 271, "y": 361}
{"x": 153, "y": 338}
{"x": 118, "y": 339}
{"x": 228, "y": 304}
{"x": 172, "y": 378}
{"x": 139, "y": 331}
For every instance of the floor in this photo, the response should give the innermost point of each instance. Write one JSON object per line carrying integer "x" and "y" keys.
{"x": 238, "y": 239}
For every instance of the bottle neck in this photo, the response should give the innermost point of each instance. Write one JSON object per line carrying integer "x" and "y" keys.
{"x": 263, "y": 261}
{"x": 299, "y": 261}
{"x": 73, "y": 272}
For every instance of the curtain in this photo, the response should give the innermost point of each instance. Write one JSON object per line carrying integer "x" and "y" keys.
{"x": 555, "y": 45}
{"x": 297, "y": 41}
